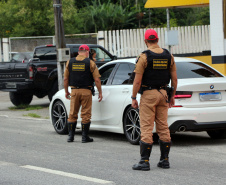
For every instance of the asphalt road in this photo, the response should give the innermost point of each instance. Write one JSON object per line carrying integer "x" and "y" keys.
{"x": 32, "y": 153}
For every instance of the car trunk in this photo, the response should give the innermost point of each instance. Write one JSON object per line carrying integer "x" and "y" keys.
{"x": 202, "y": 92}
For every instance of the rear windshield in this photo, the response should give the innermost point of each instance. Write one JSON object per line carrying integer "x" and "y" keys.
{"x": 195, "y": 70}
{"x": 46, "y": 53}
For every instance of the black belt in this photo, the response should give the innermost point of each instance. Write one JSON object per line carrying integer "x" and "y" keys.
{"x": 81, "y": 87}
{"x": 153, "y": 87}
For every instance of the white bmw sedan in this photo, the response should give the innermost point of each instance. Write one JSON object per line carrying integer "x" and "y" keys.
{"x": 200, "y": 101}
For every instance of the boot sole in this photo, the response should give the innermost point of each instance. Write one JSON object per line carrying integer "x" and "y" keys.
{"x": 142, "y": 169}
{"x": 165, "y": 167}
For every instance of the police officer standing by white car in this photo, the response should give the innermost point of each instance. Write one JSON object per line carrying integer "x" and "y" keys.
{"x": 154, "y": 69}
{"x": 80, "y": 73}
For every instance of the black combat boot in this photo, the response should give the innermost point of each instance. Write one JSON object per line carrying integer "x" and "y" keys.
{"x": 164, "y": 159}
{"x": 85, "y": 131}
{"x": 71, "y": 130}
{"x": 145, "y": 151}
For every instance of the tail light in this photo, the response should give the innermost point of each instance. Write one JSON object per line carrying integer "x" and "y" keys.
{"x": 182, "y": 95}
{"x": 49, "y": 45}
{"x": 31, "y": 72}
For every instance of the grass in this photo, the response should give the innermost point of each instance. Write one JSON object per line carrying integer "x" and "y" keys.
{"x": 33, "y": 115}
{"x": 26, "y": 107}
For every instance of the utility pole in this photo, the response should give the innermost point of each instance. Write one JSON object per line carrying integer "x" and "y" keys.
{"x": 59, "y": 38}
{"x": 168, "y": 24}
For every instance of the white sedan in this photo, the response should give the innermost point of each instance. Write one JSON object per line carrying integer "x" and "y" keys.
{"x": 200, "y": 101}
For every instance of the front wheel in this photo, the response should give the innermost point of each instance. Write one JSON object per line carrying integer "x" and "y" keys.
{"x": 131, "y": 125}
{"x": 59, "y": 117}
{"x": 217, "y": 134}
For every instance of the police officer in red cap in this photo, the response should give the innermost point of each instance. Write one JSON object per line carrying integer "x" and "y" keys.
{"x": 155, "y": 68}
{"x": 80, "y": 74}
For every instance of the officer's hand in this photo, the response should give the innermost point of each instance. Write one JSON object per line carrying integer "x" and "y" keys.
{"x": 67, "y": 95}
{"x": 100, "y": 97}
{"x": 134, "y": 104}
{"x": 172, "y": 102}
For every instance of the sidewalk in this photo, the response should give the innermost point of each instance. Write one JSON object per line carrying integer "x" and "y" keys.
{"x": 5, "y": 103}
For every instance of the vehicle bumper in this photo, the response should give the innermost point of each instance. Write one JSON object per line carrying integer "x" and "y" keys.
{"x": 192, "y": 125}
{"x": 197, "y": 119}
{"x": 15, "y": 86}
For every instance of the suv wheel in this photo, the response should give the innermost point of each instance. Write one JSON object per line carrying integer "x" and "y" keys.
{"x": 131, "y": 125}
{"x": 53, "y": 90}
{"x": 20, "y": 98}
{"x": 59, "y": 117}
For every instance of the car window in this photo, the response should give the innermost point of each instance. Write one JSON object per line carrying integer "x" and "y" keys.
{"x": 105, "y": 73}
{"x": 101, "y": 55}
{"x": 74, "y": 51}
{"x": 46, "y": 53}
{"x": 195, "y": 70}
{"x": 123, "y": 74}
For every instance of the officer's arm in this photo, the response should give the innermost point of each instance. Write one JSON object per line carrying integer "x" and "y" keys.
{"x": 137, "y": 83}
{"x": 98, "y": 84}
{"x": 174, "y": 81}
{"x": 66, "y": 81}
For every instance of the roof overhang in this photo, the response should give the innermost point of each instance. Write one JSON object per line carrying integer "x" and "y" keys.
{"x": 175, "y": 3}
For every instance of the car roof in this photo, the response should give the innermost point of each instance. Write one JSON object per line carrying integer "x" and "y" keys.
{"x": 133, "y": 60}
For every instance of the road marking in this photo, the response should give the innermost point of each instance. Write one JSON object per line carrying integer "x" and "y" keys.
{"x": 75, "y": 176}
{"x": 4, "y": 116}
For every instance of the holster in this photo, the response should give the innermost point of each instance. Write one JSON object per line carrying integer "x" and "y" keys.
{"x": 169, "y": 91}
{"x": 93, "y": 90}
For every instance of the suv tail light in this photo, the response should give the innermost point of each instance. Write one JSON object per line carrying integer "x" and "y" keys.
{"x": 31, "y": 72}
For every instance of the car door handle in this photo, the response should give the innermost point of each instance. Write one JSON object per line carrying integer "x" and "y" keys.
{"x": 125, "y": 90}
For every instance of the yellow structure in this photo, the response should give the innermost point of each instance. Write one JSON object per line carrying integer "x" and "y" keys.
{"x": 175, "y": 3}
{"x": 218, "y": 58}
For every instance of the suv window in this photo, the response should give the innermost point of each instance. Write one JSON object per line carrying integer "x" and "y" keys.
{"x": 46, "y": 53}
{"x": 105, "y": 73}
{"x": 195, "y": 70}
{"x": 122, "y": 76}
{"x": 101, "y": 55}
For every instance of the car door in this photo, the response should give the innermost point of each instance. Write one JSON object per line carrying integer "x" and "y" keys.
{"x": 115, "y": 94}
{"x": 105, "y": 73}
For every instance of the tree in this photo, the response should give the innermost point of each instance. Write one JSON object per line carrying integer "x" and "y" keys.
{"x": 106, "y": 16}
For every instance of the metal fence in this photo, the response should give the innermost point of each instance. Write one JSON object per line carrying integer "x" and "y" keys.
{"x": 126, "y": 43}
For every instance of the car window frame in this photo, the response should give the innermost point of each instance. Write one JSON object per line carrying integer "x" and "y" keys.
{"x": 117, "y": 70}
{"x": 112, "y": 73}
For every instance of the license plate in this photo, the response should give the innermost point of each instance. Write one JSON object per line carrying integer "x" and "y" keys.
{"x": 213, "y": 96}
{"x": 10, "y": 85}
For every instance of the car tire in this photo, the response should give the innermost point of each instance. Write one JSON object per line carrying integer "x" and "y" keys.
{"x": 217, "y": 134}
{"x": 59, "y": 117}
{"x": 20, "y": 98}
{"x": 131, "y": 125}
{"x": 53, "y": 90}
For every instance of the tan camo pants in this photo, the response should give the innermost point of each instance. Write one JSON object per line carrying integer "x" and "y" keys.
{"x": 154, "y": 108}
{"x": 80, "y": 98}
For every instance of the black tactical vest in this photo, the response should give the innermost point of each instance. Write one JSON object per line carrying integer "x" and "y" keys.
{"x": 79, "y": 73}
{"x": 157, "y": 72}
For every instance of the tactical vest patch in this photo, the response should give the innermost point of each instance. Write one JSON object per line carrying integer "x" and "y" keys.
{"x": 78, "y": 67}
{"x": 160, "y": 63}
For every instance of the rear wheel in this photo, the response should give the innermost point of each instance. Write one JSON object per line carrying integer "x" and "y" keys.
{"x": 59, "y": 117}
{"x": 20, "y": 98}
{"x": 131, "y": 125}
{"x": 217, "y": 134}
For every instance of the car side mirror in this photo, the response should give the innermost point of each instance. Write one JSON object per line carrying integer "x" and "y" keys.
{"x": 115, "y": 57}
